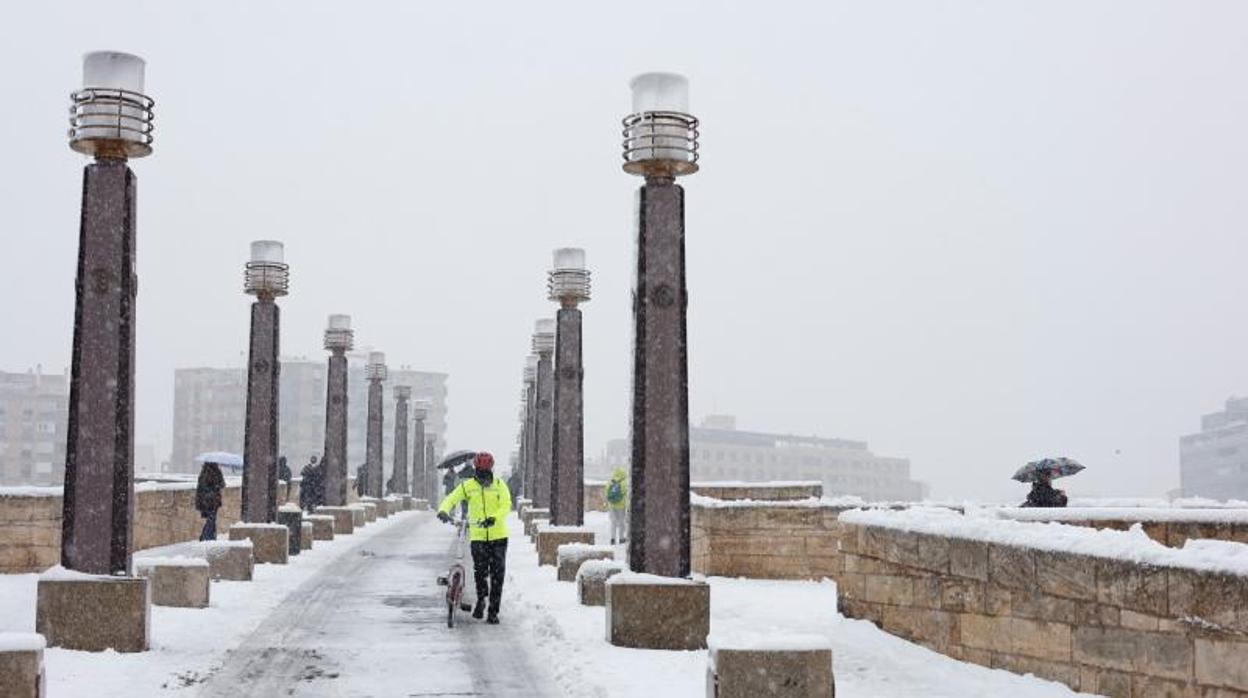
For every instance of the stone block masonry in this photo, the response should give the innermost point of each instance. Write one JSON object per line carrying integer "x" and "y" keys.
{"x": 1103, "y": 612}
{"x": 30, "y": 521}
{"x": 766, "y": 539}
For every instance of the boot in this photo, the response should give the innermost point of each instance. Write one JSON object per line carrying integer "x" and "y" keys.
{"x": 493, "y": 618}
{"x": 479, "y": 610}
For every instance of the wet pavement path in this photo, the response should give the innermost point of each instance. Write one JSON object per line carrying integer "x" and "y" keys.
{"x": 373, "y": 623}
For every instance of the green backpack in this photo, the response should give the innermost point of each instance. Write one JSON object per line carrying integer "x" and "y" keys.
{"x": 615, "y": 492}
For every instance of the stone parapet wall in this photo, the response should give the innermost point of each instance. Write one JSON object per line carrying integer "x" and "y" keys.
{"x": 770, "y": 540}
{"x": 596, "y": 491}
{"x": 1095, "y": 622}
{"x": 1172, "y": 527}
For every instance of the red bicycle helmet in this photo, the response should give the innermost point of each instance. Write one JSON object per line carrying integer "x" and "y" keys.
{"x": 483, "y": 461}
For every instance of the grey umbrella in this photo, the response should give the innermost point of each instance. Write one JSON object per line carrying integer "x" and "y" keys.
{"x": 1055, "y": 467}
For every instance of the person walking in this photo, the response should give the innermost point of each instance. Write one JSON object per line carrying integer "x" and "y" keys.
{"x": 312, "y": 486}
{"x": 361, "y": 480}
{"x": 1043, "y": 494}
{"x": 208, "y": 498}
{"x": 617, "y": 505}
{"x": 284, "y": 474}
{"x": 489, "y": 502}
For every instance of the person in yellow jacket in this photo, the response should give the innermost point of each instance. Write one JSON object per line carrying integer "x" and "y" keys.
{"x": 489, "y": 502}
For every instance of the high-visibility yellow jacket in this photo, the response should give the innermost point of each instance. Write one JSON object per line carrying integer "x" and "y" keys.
{"x": 483, "y": 503}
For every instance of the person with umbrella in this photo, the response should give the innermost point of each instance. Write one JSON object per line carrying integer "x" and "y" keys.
{"x": 208, "y": 497}
{"x": 1041, "y": 474}
{"x": 489, "y": 503}
{"x": 312, "y": 488}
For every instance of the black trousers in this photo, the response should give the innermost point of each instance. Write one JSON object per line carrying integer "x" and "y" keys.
{"x": 489, "y": 565}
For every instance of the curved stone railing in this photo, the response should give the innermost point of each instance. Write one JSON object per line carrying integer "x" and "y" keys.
{"x": 1108, "y": 612}
{"x": 779, "y": 491}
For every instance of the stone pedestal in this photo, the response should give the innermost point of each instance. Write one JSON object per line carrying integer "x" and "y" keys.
{"x": 323, "y": 525}
{"x": 359, "y": 514}
{"x": 270, "y": 542}
{"x": 344, "y": 519}
{"x": 405, "y": 502}
{"x": 420, "y": 505}
{"x": 570, "y": 556}
{"x": 549, "y": 538}
{"x": 659, "y": 613}
{"x": 305, "y": 535}
{"x": 591, "y": 580}
{"x": 291, "y": 517}
{"x": 21, "y": 665}
{"x": 232, "y": 560}
{"x": 176, "y": 581}
{"x": 530, "y": 529}
{"x": 370, "y": 510}
{"x": 93, "y": 614}
{"x": 531, "y": 513}
{"x": 790, "y": 666}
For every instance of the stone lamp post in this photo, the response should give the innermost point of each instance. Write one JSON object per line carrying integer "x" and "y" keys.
{"x": 420, "y": 467}
{"x": 568, "y": 285}
{"x": 339, "y": 339}
{"x": 530, "y": 427}
{"x": 111, "y": 121}
{"x": 544, "y": 395}
{"x": 402, "y": 394}
{"x": 660, "y": 144}
{"x": 266, "y": 276}
{"x": 375, "y": 370}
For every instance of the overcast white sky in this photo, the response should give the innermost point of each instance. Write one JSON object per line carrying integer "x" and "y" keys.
{"x": 970, "y": 233}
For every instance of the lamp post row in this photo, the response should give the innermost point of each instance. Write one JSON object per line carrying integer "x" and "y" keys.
{"x": 111, "y": 119}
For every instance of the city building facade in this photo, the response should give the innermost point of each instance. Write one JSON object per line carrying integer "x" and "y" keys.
{"x": 718, "y": 452}
{"x": 210, "y": 407}
{"x": 1214, "y": 462}
{"x": 34, "y": 409}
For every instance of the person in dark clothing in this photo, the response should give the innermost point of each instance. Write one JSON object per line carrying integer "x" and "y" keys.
{"x": 1043, "y": 494}
{"x": 284, "y": 474}
{"x": 312, "y": 487}
{"x": 208, "y": 498}
{"x": 361, "y": 480}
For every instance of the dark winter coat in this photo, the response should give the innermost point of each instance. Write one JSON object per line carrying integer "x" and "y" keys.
{"x": 1043, "y": 494}
{"x": 209, "y": 488}
{"x": 312, "y": 488}
{"x": 283, "y": 470}
{"x": 361, "y": 480}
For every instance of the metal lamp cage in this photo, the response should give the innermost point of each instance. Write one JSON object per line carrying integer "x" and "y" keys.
{"x": 663, "y": 143}
{"x": 339, "y": 339}
{"x": 266, "y": 278}
{"x": 568, "y": 285}
{"x": 544, "y": 343}
{"x": 420, "y": 410}
{"x": 377, "y": 372}
{"x": 111, "y": 122}
{"x": 402, "y": 392}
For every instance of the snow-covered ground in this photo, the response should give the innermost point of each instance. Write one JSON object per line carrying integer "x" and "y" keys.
{"x": 867, "y": 661}
{"x": 386, "y": 634}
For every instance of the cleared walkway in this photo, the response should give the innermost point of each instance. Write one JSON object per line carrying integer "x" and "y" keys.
{"x": 373, "y": 623}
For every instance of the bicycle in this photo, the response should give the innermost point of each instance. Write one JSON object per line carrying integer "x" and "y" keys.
{"x": 457, "y": 575}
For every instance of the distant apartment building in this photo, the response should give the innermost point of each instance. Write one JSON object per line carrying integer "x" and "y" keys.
{"x": 718, "y": 451}
{"x": 34, "y": 412}
{"x": 1214, "y": 462}
{"x": 210, "y": 410}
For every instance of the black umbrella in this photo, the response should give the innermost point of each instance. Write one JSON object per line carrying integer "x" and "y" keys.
{"x": 456, "y": 458}
{"x": 1055, "y": 467}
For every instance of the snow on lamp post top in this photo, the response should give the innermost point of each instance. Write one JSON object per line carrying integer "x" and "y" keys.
{"x": 544, "y": 336}
{"x": 660, "y": 136}
{"x": 402, "y": 392}
{"x": 375, "y": 369}
{"x": 266, "y": 275}
{"x": 338, "y": 336}
{"x": 568, "y": 281}
{"x": 110, "y": 117}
